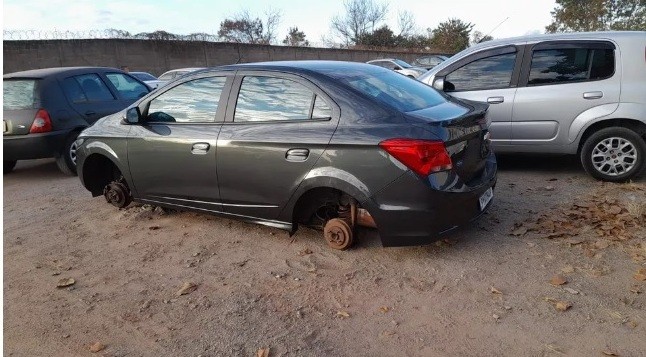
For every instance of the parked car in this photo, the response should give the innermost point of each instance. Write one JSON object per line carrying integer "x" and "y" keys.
{"x": 399, "y": 66}
{"x": 176, "y": 73}
{"x": 576, "y": 93}
{"x": 430, "y": 61}
{"x": 322, "y": 143}
{"x": 44, "y": 110}
{"x": 150, "y": 80}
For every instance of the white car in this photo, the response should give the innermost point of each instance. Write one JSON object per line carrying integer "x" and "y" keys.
{"x": 399, "y": 66}
{"x": 175, "y": 73}
{"x": 147, "y": 78}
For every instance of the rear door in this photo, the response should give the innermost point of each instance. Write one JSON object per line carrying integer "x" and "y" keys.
{"x": 277, "y": 127}
{"x": 489, "y": 76}
{"x": 90, "y": 97}
{"x": 560, "y": 81}
{"x": 172, "y": 153}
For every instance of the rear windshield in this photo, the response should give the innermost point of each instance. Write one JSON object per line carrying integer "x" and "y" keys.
{"x": 395, "y": 90}
{"x": 19, "y": 94}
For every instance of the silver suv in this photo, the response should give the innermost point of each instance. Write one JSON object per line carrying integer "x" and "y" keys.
{"x": 577, "y": 93}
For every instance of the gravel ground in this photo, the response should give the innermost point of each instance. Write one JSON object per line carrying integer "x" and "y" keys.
{"x": 483, "y": 292}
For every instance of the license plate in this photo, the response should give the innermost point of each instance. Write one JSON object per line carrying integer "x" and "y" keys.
{"x": 485, "y": 198}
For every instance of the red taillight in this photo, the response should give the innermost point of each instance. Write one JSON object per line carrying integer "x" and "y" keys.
{"x": 42, "y": 122}
{"x": 422, "y": 156}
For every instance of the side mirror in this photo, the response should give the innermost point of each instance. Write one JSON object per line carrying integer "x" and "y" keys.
{"x": 133, "y": 116}
{"x": 438, "y": 84}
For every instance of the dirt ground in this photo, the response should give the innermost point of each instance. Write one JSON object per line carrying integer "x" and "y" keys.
{"x": 483, "y": 292}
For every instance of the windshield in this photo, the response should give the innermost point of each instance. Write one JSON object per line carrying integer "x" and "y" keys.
{"x": 143, "y": 76}
{"x": 395, "y": 90}
{"x": 18, "y": 94}
{"x": 402, "y": 64}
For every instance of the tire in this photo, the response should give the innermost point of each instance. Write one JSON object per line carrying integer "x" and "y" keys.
{"x": 614, "y": 154}
{"x": 8, "y": 166}
{"x": 66, "y": 159}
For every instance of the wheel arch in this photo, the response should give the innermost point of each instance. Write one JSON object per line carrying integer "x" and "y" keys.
{"x": 97, "y": 170}
{"x": 633, "y": 124}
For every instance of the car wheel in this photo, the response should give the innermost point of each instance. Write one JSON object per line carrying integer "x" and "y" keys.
{"x": 66, "y": 159}
{"x": 8, "y": 166}
{"x": 613, "y": 154}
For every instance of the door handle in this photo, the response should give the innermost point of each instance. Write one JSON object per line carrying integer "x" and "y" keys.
{"x": 297, "y": 154}
{"x": 495, "y": 100}
{"x": 89, "y": 113}
{"x": 593, "y": 95}
{"x": 200, "y": 148}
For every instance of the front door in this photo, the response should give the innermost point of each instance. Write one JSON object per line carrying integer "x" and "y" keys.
{"x": 276, "y": 129}
{"x": 172, "y": 154}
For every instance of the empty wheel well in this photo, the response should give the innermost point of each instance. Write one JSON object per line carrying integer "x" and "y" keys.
{"x": 98, "y": 171}
{"x": 632, "y": 124}
{"x": 317, "y": 205}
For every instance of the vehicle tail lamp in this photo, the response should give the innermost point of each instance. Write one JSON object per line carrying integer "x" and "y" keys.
{"x": 422, "y": 156}
{"x": 42, "y": 122}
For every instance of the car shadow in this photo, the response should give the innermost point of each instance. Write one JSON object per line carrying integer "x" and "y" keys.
{"x": 36, "y": 170}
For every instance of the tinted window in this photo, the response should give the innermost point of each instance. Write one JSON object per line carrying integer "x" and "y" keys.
{"x": 195, "y": 101}
{"x": 268, "y": 98}
{"x": 127, "y": 86}
{"x": 92, "y": 87}
{"x": 486, "y": 73}
{"x": 18, "y": 94}
{"x": 392, "y": 89}
{"x": 143, "y": 76}
{"x": 73, "y": 90}
{"x": 570, "y": 65}
{"x": 321, "y": 110}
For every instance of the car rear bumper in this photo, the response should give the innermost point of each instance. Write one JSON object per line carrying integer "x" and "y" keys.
{"x": 33, "y": 146}
{"x": 410, "y": 211}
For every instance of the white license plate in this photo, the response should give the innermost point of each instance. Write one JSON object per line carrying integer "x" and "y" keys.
{"x": 485, "y": 198}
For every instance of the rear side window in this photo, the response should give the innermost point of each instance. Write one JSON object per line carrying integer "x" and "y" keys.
{"x": 552, "y": 66}
{"x": 277, "y": 99}
{"x": 486, "y": 73}
{"x": 19, "y": 94}
{"x": 86, "y": 88}
{"x": 194, "y": 101}
{"x": 127, "y": 86}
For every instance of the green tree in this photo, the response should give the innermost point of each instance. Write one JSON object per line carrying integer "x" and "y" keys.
{"x": 296, "y": 38}
{"x": 598, "y": 15}
{"x": 451, "y": 36}
{"x": 381, "y": 37}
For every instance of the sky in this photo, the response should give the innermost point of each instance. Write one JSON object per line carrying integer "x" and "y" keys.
{"x": 520, "y": 17}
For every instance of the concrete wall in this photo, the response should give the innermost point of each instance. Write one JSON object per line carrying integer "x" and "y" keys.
{"x": 157, "y": 57}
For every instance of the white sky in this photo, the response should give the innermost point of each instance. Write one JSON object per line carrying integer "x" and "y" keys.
{"x": 312, "y": 17}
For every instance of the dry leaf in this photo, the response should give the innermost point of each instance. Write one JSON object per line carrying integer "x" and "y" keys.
{"x": 342, "y": 314}
{"x": 187, "y": 288}
{"x": 575, "y": 241}
{"x": 635, "y": 289}
{"x": 519, "y": 231}
{"x": 562, "y": 305}
{"x": 65, "y": 282}
{"x": 384, "y": 309}
{"x": 97, "y": 347}
{"x": 496, "y": 317}
{"x": 609, "y": 353}
{"x": 154, "y": 228}
{"x": 640, "y": 275}
{"x": 601, "y": 244}
{"x": 306, "y": 251}
{"x": 263, "y": 352}
{"x": 567, "y": 269}
{"x": 558, "y": 280}
{"x": 571, "y": 291}
{"x": 495, "y": 291}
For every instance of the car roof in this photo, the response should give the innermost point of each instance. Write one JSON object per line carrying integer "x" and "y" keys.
{"x": 46, "y": 72}
{"x": 329, "y": 68}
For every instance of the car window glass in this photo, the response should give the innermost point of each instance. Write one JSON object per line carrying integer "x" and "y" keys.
{"x": 194, "y": 101}
{"x": 270, "y": 99}
{"x": 401, "y": 64}
{"x": 321, "y": 109}
{"x": 570, "y": 65}
{"x": 143, "y": 76}
{"x": 166, "y": 76}
{"x": 127, "y": 86}
{"x": 18, "y": 94}
{"x": 486, "y": 73}
{"x": 93, "y": 88}
{"x": 73, "y": 90}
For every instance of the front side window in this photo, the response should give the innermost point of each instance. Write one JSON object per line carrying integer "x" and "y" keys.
{"x": 127, "y": 86}
{"x": 264, "y": 99}
{"x": 552, "y": 66}
{"x": 486, "y": 73}
{"x": 194, "y": 101}
{"x": 86, "y": 88}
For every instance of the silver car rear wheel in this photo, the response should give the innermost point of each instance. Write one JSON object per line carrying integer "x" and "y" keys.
{"x": 614, "y": 156}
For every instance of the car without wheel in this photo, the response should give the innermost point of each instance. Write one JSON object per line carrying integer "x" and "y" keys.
{"x": 575, "y": 93}
{"x": 44, "y": 110}
{"x": 335, "y": 145}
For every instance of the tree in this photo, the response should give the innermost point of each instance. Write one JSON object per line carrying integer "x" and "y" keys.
{"x": 406, "y": 22}
{"x": 360, "y": 19}
{"x": 598, "y": 15}
{"x": 479, "y": 37}
{"x": 296, "y": 38}
{"x": 381, "y": 37}
{"x": 452, "y": 35}
{"x": 245, "y": 29}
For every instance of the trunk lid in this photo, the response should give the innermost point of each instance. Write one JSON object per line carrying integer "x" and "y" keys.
{"x": 20, "y": 103}
{"x": 463, "y": 128}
